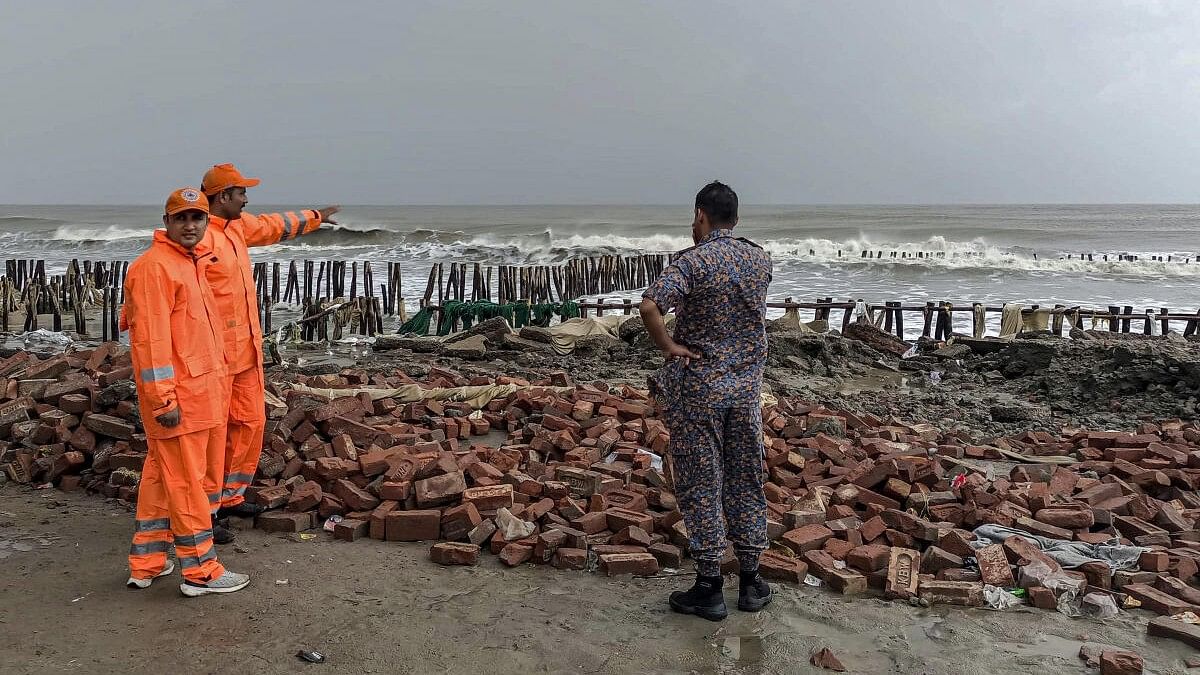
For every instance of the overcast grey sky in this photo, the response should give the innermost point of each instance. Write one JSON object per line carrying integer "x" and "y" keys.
{"x": 603, "y": 102}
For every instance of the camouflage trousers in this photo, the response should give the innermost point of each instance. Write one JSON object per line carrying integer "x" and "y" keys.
{"x": 717, "y": 455}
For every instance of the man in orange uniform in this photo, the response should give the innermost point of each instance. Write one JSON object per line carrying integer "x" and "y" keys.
{"x": 231, "y": 232}
{"x": 179, "y": 368}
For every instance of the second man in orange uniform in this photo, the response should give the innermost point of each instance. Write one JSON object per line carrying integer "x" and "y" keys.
{"x": 231, "y": 232}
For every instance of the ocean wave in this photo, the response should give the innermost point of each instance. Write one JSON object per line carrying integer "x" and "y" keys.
{"x": 76, "y": 233}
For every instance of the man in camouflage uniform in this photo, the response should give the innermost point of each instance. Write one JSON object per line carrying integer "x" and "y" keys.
{"x": 709, "y": 391}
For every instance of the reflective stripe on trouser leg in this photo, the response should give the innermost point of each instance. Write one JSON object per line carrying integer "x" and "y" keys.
{"x": 695, "y": 449}
{"x": 152, "y": 524}
{"x": 244, "y": 434}
{"x": 182, "y": 466}
{"x": 743, "y": 499}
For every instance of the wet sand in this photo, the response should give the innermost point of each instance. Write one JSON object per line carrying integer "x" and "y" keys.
{"x": 376, "y": 607}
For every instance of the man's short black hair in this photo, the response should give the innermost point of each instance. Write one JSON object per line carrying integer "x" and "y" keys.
{"x": 719, "y": 202}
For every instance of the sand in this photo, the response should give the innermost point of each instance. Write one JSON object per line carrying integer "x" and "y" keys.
{"x": 376, "y": 607}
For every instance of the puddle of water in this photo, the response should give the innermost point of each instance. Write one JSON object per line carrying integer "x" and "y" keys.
{"x": 744, "y": 649}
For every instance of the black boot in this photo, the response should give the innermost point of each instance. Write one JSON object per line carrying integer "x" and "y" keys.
{"x": 754, "y": 592}
{"x": 704, "y": 599}
{"x": 221, "y": 534}
{"x": 243, "y": 510}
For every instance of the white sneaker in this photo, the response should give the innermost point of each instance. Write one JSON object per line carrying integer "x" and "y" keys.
{"x": 226, "y": 583}
{"x": 145, "y": 583}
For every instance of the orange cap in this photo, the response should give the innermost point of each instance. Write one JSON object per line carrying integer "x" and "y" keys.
{"x": 224, "y": 176}
{"x": 185, "y": 199}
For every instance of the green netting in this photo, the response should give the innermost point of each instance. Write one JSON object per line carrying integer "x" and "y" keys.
{"x": 419, "y": 324}
{"x": 517, "y": 314}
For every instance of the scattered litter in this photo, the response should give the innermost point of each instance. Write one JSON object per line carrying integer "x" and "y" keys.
{"x": 813, "y": 581}
{"x": 281, "y": 582}
{"x": 332, "y": 522}
{"x": 1187, "y": 617}
{"x": 310, "y": 655}
{"x": 998, "y": 598}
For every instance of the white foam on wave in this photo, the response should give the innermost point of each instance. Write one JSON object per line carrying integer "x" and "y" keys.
{"x": 109, "y": 233}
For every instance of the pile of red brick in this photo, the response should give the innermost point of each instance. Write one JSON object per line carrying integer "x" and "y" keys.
{"x": 856, "y": 501}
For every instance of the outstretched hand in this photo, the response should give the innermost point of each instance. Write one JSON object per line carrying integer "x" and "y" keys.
{"x": 327, "y": 212}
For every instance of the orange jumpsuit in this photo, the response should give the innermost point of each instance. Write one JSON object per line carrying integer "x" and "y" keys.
{"x": 232, "y": 281}
{"x": 178, "y": 362}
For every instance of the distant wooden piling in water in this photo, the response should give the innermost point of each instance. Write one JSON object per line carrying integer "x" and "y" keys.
{"x": 317, "y": 288}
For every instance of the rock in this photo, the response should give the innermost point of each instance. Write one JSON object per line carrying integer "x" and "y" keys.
{"x": 420, "y": 345}
{"x": 952, "y": 352}
{"x": 493, "y": 330}
{"x": 474, "y": 347}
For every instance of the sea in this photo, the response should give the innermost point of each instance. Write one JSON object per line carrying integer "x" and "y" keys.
{"x": 1076, "y": 255}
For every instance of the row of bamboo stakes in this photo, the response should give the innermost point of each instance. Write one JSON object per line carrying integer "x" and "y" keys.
{"x": 314, "y": 286}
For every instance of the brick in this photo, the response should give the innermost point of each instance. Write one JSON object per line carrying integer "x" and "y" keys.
{"x": 869, "y": 558}
{"x": 458, "y": 521}
{"x": 806, "y": 538}
{"x": 489, "y": 498}
{"x": 482, "y": 533}
{"x": 454, "y": 553}
{"x": 591, "y": 523}
{"x": 584, "y": 483}
{"x": 49, "y": 369}
{"x": 964, "y": 593}
{"x": 633, "y": 535}
{"x": 273, "y": 497}
{"x": 284, "y": 521}
{"x": 1070, "y": 519}
{"x": 107, "y": 425}
{"x": 1177, "y": 630}
{"x": 1042, "y": 529}
{"x": 1177, "y": 588}
{"x": 1020, "y": 551}
{"x": 641, "y": 564}
{"x": 515, "y": 554}
{"x": 1042, "y": 597}
{"x": 546, "y": 544}
{"x": 993, "y": 566}
{"x": 354, "y": 497}
{"x": 872, "y": 528}
{"x": 391, "y": 490}
{"x": 778, "y": 567}
{"x": 669, "y": 556}
{"x": 305, "y": 497}
{"x": 1154, "y": 561}
{"x": 934, "y": 559}
{"x": 619, "y": 519}
{"x": 1157, "y": 601}
{"x": 956, "y": 542}
{"x": 904, "y": 566}
{"x": 345, "y": 406}
{"x": 440, "y": 489}
{"x": 570, "y": 559}
{"x": 419, "y": 525}
{"x": 800, "y": 518}
{"x": 350, "y": 529}
{"x": 76, "y": 404}
{"x": 1120, "y": 662}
